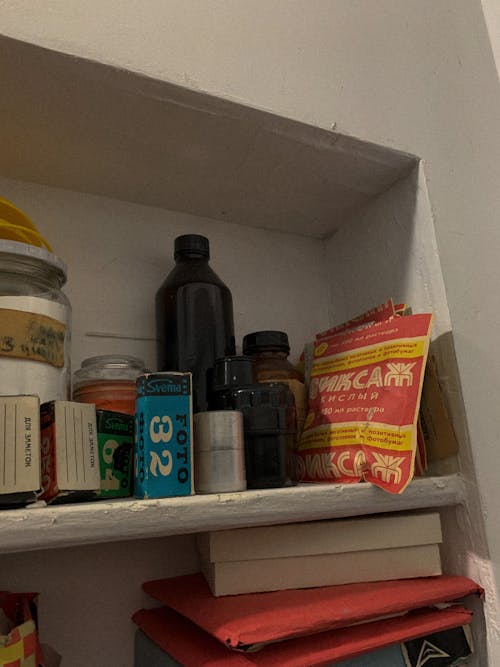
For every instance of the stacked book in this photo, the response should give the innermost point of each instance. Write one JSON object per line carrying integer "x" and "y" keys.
{"x": 366, "y": 591}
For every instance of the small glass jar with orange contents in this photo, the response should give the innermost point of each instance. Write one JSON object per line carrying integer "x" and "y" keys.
{"x": 109, "y": 382}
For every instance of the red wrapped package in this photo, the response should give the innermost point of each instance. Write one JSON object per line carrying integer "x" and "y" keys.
{"x": 192, "y": 647}
{"x": 243, "y": 621}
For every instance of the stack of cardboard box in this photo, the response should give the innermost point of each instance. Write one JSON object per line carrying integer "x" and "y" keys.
{"x": 310, "y": 594}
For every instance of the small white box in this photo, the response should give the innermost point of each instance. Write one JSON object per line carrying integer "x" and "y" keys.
{"x": 19, "y": 448}
{"x": 70, "y": 456}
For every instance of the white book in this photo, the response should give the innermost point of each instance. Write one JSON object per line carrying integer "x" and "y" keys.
{"x": 276, "y": 574}
{"x": 321, "y": 537}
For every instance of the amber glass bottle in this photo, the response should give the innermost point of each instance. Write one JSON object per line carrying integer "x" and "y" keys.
{"x": 194, "y": 316}
{"x": 270, "y": 350}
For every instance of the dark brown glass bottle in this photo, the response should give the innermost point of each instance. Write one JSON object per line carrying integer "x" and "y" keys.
{"x": 270, "y": 350}
{"x": 194, "y": 316}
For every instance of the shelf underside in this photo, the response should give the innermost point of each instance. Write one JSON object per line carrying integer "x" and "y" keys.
{"x": 105, "y": 521}
{"x": 85, "y": 126}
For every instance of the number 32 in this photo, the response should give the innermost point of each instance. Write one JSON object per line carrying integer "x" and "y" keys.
{"x": 158, "y": 435}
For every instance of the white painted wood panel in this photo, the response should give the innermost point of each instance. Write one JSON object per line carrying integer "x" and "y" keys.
{"x": 133, "y": 138}
{"x": 118, "y": 520}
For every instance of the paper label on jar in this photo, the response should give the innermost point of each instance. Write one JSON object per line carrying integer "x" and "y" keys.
{"x": 26, "y": 335}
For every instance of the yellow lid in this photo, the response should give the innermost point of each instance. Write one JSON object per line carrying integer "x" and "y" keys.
{"x": 16, "y": 226}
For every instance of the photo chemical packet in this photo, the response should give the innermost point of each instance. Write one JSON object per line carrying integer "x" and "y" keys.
{"x": 164, "y": 446}
{"x": 385, "y": 311}
{"x": 364, "y": 399}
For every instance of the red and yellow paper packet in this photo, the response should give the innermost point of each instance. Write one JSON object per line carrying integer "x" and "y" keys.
{"x": 381, "y": 313}
{"x": 364, "y": 398}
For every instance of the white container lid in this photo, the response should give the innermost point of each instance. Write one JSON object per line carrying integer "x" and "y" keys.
{"x": 33, "y": 252}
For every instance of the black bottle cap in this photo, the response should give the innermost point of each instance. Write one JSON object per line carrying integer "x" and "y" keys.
{"x": 261, "y": 340}
{"x": 191, "y": 245}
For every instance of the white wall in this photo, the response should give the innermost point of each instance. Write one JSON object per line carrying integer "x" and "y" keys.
{"x": 120, "y": 253}
{"x": 389, "y": 248}
{"x": 85, "y": 597}
{"x": 418, "y": 75}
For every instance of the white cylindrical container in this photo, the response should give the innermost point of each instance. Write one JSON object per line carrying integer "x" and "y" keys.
{"x": 219, "y": 456}
{"x": 35, "y": 323}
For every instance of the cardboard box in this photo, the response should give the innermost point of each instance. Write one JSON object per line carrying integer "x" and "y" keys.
{"x": 115, "y": 436}
{"x": 19, "y": 449}
{"x": 70, "y": 460}
{"x": 438, "y": 429}
{"x": 279, "y": 574}
{"x": 321, "y": 553}
{"x": 320, "y": 537}
{"x": 164, "y": 447}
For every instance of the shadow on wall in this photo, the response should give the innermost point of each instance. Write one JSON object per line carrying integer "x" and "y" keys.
{"x": 387, "y": 249}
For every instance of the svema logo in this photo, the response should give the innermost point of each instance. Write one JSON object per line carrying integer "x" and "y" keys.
{"x": 116, "y": 424}
{"x": 160, "y": 385}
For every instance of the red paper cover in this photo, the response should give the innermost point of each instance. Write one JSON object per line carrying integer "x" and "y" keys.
{"x": 192, "y": 647}
{"x": 243, "y": 620}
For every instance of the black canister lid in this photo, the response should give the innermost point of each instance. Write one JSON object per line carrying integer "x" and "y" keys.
{"x": 234, "y": 371}
{"x": 261, "y": 340}
{"x": 191, "y": 244}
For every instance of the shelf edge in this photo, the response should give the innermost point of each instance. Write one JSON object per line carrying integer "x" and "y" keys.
{"x": 113, "y": 521}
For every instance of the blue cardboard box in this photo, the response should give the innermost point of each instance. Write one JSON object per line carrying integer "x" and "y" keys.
{"x": 164, "y": 447}
{"x": 149, "y": 654}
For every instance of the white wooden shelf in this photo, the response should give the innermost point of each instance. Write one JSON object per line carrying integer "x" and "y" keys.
{"x": 89, "y": 127}
{"x": 110, "y": 521}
